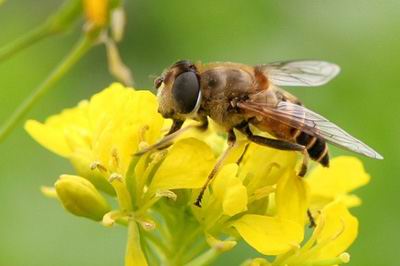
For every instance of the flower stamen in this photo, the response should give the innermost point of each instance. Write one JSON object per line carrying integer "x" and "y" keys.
{"x": 97, "y": 165}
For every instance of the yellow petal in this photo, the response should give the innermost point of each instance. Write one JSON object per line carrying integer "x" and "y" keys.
{"x": 344, "y": 175}
{"x": 350, "y": 200}
{"x": 121, "y": 118}
{"x": 269, "y": 235}
{"x": 230, "y": 190}
{"x": 187, "y": 165}
{"x": 263, "y": 166}
{"x": 292, "y": 198}
{"x": 52, "y": 133}
{"x": 339, "y": 230}
{"x": 50, "y": 138}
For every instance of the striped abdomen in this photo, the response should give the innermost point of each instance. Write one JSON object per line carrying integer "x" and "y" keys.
{"x": 316, "y": 147}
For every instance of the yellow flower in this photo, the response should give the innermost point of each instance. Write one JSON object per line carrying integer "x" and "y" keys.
{"x": 96, "y": 11}
{"x": 256, "y": 195}
{"x": 344, "y": 175}
{"x": 243, "y": 197}
{"x": 228, "y": 198}
{"x": 101, "y": 135}
{"x": 281, "y": 229}
{"x": 269, "y": 235}
{"x": 335, "y": 232}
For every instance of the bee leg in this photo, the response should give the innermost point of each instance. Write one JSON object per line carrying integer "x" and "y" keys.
{"x": 273, "y": 143}
{"x": 218, "y": 165}
{"x": 304, "y": 164}
{"x": 176, "y": 125}
{"x": 243, "y": 154}
{"x": 175, "y": 130}
{"x": 311, "y": 219}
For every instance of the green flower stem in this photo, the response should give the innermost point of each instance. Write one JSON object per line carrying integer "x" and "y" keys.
{"x": 195, "y": 250}
{"x": 206, "y": 258}
{"x": 124, "y": 198}
{"x": 210, "y": 255}
{"x": 158, "y": 243}
{"x": 187, "y": 246}
{"x": 83, "y": 45}
{"x": 58, "y": 22}
{"x": 24, "y": 41}
{"x": 134, "y": 255}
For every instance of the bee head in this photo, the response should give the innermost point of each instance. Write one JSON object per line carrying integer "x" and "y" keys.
{"x": 179, "y": 93}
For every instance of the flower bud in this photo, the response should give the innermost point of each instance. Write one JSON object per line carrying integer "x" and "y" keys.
{"x": 118, "y": 22}
{"x": 81, "y": 198}
{"x": 96, "y": 11}
{"x": 256, "y": 262}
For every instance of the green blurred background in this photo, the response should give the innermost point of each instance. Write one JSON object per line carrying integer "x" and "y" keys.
{"x": 362, "y": 36}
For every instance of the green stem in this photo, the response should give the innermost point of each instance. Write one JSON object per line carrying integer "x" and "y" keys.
{"x": 61, "y": 20}
{"x": 195, "y": 250}
{"x": 24, "y": 41}
{"x": 83, "y": 45}
{"x": 134, "y": 255}
{"x": 156, "y": 241}
{"x": 187, "y": 244}
{"x": 206, "y": 258}
{"x": 210, "y": 255}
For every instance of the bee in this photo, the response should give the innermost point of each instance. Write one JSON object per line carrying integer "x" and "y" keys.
{"x": 236, "y": 96}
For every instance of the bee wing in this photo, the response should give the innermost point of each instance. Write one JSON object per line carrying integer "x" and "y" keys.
{"x": 299, "y": 117}
{"x": 308, "y": 73}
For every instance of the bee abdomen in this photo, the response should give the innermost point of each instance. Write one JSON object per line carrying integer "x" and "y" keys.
{"x": 316, "y": 147}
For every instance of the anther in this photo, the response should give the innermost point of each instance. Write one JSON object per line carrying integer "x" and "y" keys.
{"x": 114, "y": 155}
{"x": 98, "y": 165}
{"x": 345, "y": 257}
{"x": 115, "y": 176}
{"x": 142, "y": 132}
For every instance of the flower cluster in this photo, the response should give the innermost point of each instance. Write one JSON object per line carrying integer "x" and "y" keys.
{"x": 256, "y": 196}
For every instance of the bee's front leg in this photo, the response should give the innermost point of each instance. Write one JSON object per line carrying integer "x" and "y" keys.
{"x": 176, "y": 125}
{"x": 218, "y": 165}
{"x": 174, "y": 131}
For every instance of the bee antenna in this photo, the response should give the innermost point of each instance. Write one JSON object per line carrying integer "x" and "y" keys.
{"x": 152, "y": 76}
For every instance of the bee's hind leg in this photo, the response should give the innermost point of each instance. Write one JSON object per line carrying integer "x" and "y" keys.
{"x": 311, "y": 219}
{"x": 281, "y": 145}
{"x": 218, "y": 165}
{"x": 304, "y": 164}
{"x": 273, "y": 143}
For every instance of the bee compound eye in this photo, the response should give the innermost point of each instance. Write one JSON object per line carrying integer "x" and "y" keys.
{"x": 186, "y": 91}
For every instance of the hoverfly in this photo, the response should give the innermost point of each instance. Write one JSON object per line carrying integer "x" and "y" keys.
{"x": 236, "y": 96}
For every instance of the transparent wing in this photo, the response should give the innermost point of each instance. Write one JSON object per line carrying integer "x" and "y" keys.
{"x": 309, "y": 73}
{"x": 312, "y": 123}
